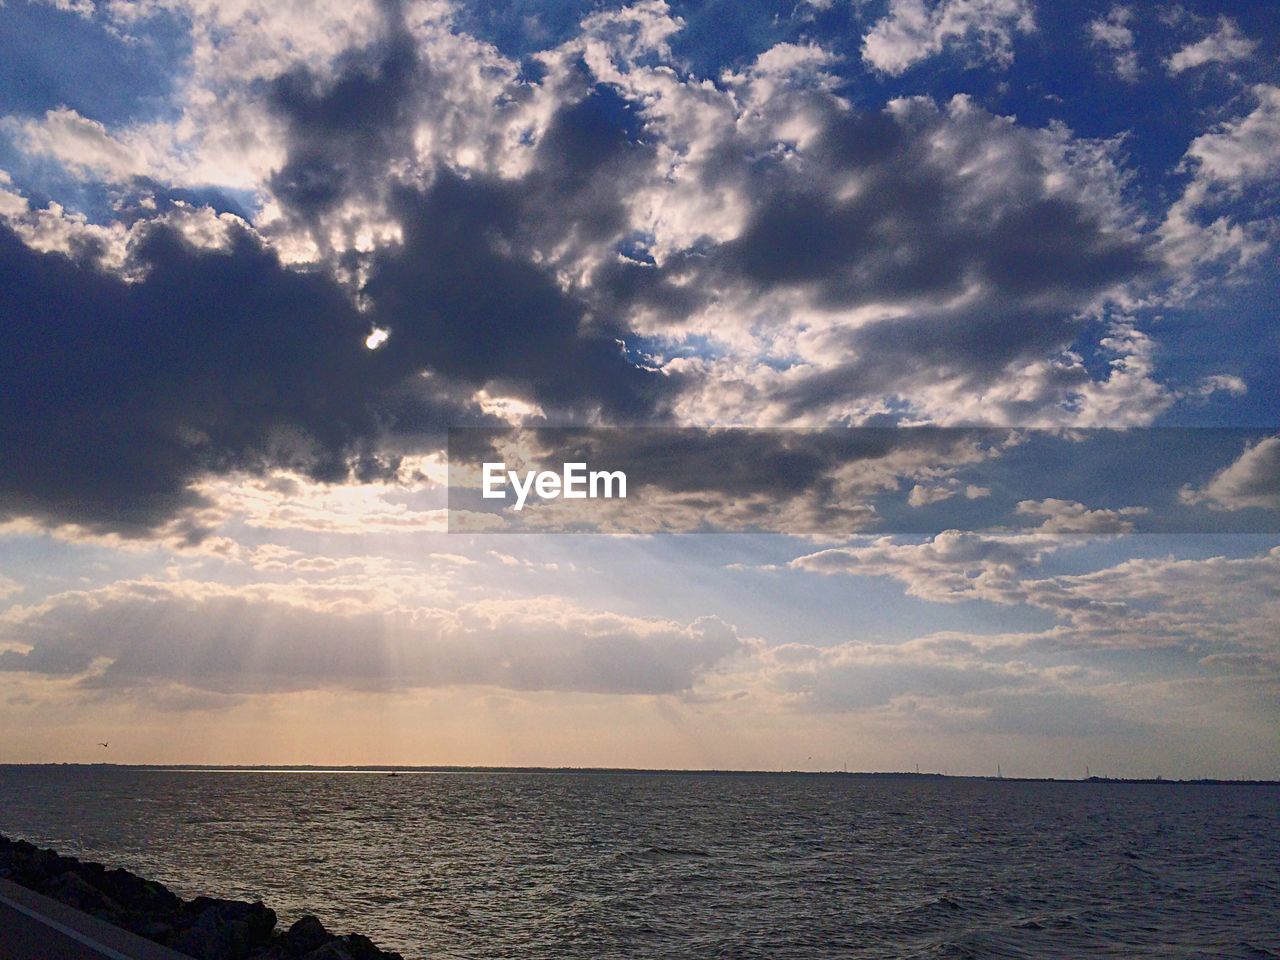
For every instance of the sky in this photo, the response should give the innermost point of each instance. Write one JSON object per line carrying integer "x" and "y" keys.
{"x": 257, "y": 259}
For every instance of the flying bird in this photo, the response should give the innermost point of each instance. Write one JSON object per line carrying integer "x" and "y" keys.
{"x": 104, "y": 744}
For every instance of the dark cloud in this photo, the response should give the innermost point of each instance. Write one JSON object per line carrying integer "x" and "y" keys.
{"x": 114, "y": 394}
{"x": 969, "y": 347}
{"x": 870, "y": 213}
{"x": 469, "y": 293}
{"x": 460, "y": 296}
{"x": 119, "y": 394}
{"x": 587, "y": 153}
{"x": 343, "y": 133}
{"x": 982, "y": 261}
{"x": 464, "y": 293}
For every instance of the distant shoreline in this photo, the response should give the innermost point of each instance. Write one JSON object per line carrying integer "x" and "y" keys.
{"x": 636, "y": 771}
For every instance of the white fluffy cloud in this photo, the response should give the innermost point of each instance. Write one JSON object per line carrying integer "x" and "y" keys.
{"x": 1251, "y": 481}
{"x": 1201, "y": 606}
{"x": 861, "y": 676}
{"x": 1221, "y": 604}
{"x": 914, "y": 30}
{"x": 949, "y": 568}
{"x": 1241, "y": 151}
{"x": 1068, "y": 516}
{"x": 1114, "y": 34}
{"x": 1222, "y": 162}
{"x": 82, "y": 145}
{"x": 83, "y": 8}
{"x": 1225, "y": 45}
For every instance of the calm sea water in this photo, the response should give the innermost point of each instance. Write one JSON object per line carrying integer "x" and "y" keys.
{"x": 568, "y": 866}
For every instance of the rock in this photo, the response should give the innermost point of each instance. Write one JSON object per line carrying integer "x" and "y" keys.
{"x": 224, "y": 929}
{"x": 226, "y": 942}
{"x": 211, "y": 913}
{"x": 75, "y": 892}
{"x": 362, "y": 948}
{"x": 134, "y": 893}
{"x": 306, "y": 935}
{"x": 46, "y": 864}
{"x": 205, "y": 928}
{"x": 156, "y": 930}
{"x": 195, "y": 942}
{"x": 333, "y": 950}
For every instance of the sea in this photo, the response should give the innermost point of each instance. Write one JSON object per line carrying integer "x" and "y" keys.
{"x": 532, "y": 865}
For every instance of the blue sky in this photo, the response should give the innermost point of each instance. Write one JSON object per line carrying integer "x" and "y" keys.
{"x": 222, "y": 514}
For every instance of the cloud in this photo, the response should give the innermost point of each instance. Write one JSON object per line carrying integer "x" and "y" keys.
{"x": 83, "y": 8}
{"x": 1220, "y": 603}
{"x": 408, "y": 500}
{"x": 1253, "y": 480}
{"x": 1225, "y": 383}
{"x": 1224, "y": 162}
{"x": 82, "y": 145}
{"x": 921, "y": 496}
{"x": 930, "y": 257}
{"x": 121, "y": 407}
{"x": 459, "y": 299}
{"x": 596, "y": 236}
{"x": 215, "y": 360}
{"x": 1241, "y": 151}
{"x": 943, "y": 683}
{"x": 344, "y": 130}
{"x": 913, "y": 31}
{"x": 1114, "y": 33}
{"x": 1225, "y": 45}
{"x": 1068, "y": 516}
{"x": 1223, "y": 603}
{"x": 860, "y": 676}
{"x": 924, "y": 495}
{"x": 258, "y": 640}
{"x": 951, "y": 567}
{"x": 54, "y": 228}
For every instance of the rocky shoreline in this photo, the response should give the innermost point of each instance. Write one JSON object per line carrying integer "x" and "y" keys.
{"x": 204, "y": 928}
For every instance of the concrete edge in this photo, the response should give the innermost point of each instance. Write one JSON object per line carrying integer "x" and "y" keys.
{"x": 112, "y": 942}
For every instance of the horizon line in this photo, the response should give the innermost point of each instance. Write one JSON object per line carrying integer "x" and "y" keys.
{"x": 632, "y": 771}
